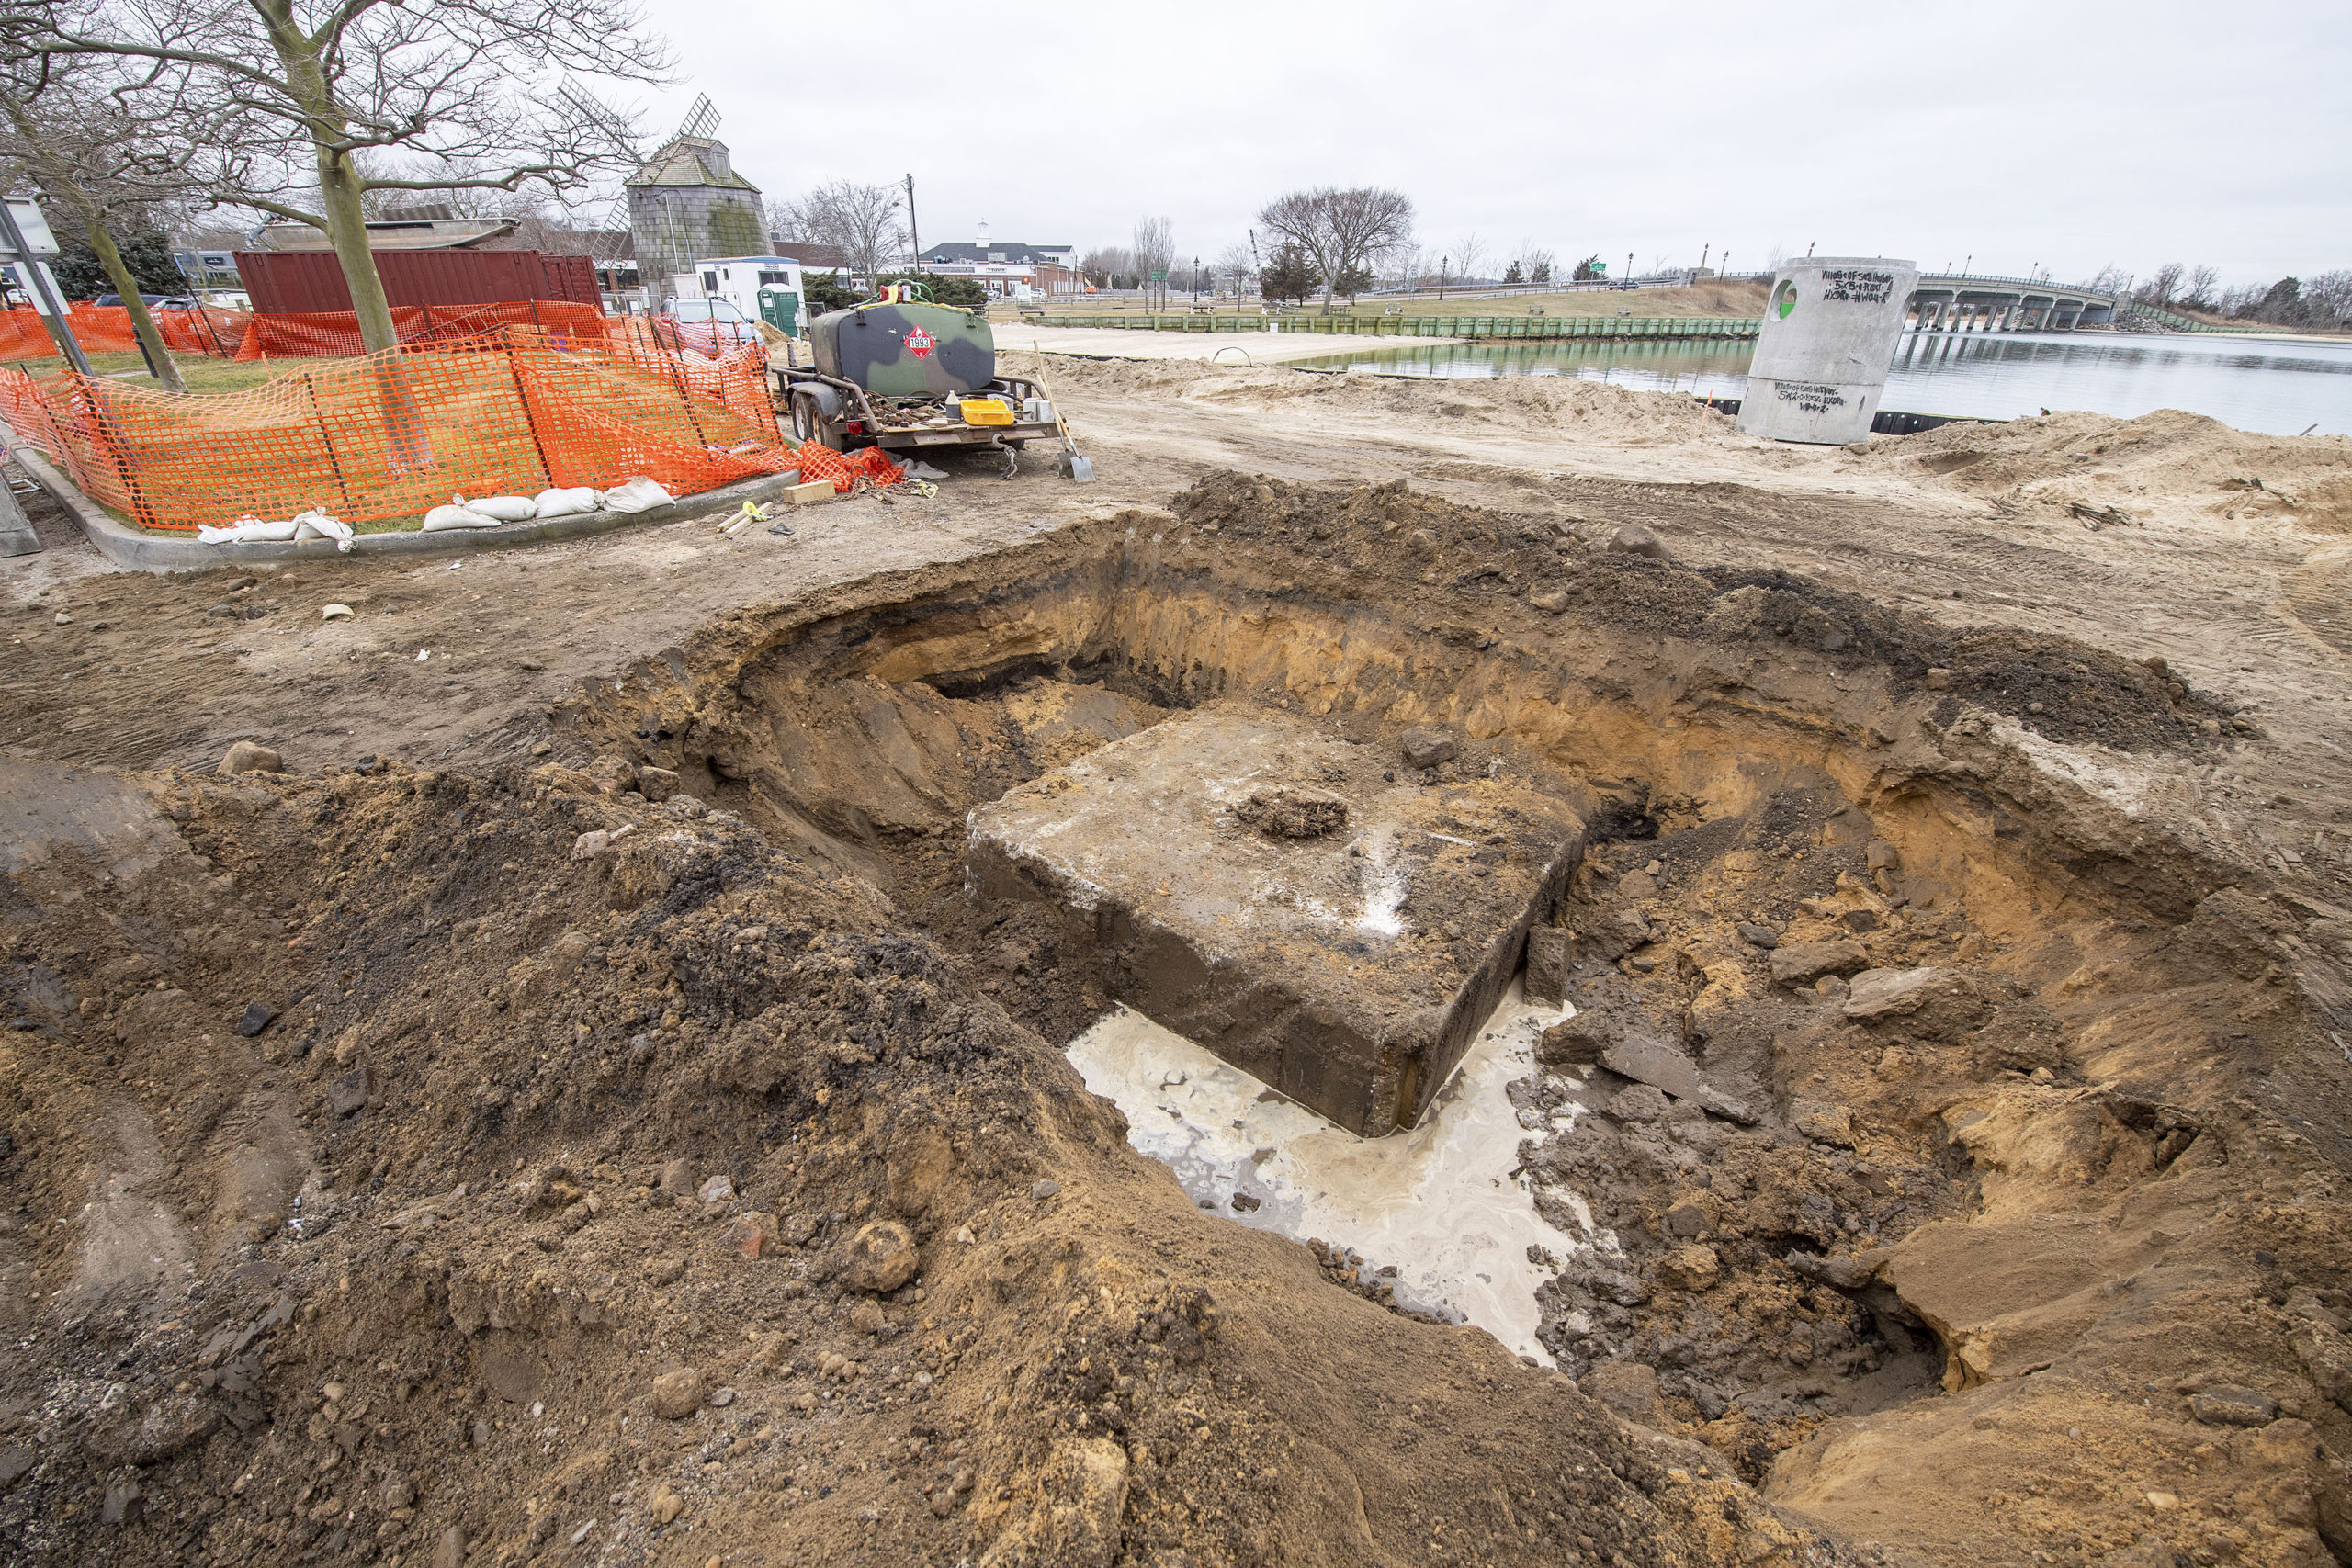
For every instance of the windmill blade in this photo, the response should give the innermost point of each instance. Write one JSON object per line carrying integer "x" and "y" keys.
{"x": 702, "y": 119}
{"x": 611, "y": 121}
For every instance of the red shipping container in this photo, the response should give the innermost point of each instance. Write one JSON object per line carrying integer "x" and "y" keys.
{"x": 307, "y": 281}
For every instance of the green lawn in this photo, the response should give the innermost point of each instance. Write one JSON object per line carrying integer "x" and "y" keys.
{"x": 201, "y": 372}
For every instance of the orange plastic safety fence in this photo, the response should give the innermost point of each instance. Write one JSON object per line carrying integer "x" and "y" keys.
{"x": 106, "y": 329}
{"x": 389, "y": 435}
{"x": 845, "y": 469}
{"x": 335, "y": 334}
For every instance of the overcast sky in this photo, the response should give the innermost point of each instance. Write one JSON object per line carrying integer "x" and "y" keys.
{"x": 2067, "y": 135}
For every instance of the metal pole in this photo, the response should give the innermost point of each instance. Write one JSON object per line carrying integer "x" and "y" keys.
{"x": 914, "y": 234}
{"x": 37, "y": 282}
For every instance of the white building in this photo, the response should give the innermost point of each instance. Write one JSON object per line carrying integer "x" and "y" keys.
{"x": 739, "y": 279}
{"x": 1007, "y": 268}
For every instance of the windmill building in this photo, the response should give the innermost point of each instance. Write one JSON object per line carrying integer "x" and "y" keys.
{"x": 686, "y": 202}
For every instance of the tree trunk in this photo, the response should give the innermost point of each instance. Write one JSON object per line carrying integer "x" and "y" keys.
{"x": 142, "y": 321}
{"x": 346, "y": 228}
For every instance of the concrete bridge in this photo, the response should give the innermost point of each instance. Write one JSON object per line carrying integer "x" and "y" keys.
{"x": 1954, "y": 302}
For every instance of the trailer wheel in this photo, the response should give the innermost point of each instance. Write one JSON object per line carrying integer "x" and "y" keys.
{"x": 808, "y": 423}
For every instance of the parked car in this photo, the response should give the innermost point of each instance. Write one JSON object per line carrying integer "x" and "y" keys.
{"x": 154, "y": 301}
{"x": 715, "y": 321}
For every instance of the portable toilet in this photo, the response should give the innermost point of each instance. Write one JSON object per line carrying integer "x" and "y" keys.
{"x": 780, "y": 308}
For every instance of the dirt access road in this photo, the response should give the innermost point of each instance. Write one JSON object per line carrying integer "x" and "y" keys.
{"x": 436, "y": 1249}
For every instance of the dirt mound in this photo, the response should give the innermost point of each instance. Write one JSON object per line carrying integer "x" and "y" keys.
{"x": 2163, "y": 461}
{"x": 2050, "y": 685}
{"x": 1583, "y": 409}
{"x": 1589, "y": 411}
{"x": 510, "y": 1168}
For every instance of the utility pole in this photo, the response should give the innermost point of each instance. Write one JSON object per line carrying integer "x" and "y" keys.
{"x": 1441, "y": 277}
{"x": 914, "y": 235}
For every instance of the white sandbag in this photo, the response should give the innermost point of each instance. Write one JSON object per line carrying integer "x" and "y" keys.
{"x": 245, "y": 530}
{"x": 564, "y": 502}
{"x": 443, "y": 517}
{"x": 640, "y": 494}
{"x": 319, "y": 523}
{"x": 505, "y": 508}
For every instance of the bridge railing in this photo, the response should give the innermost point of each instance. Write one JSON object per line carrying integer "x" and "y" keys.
{"x": 2030, "y": 285}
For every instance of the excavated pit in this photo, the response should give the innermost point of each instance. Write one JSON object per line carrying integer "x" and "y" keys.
{"x": 1891, "y": 1019}
{"x": 669, "y": 1145}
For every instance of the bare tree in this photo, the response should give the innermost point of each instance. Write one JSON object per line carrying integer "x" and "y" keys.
{"x": 1236, "y": 269}
{"x": 863, "y": 221}
{"x": 1534, "y": 263}
{"x": 2109, "y": 279}
{"x": 106, "y": 153}
{"x": 1343, "y": 233}
{"x": 2328, "y": 297}
{"x": 1405, "y": 263}
{"x": 478, "y": 94}
{"x": 1105, "y": 265}
{"x": 1154, "y": 247}
{"x": 2202, "y": 290}
{"x": 2162, "y": 285}
{"x": 1469, "y": 254}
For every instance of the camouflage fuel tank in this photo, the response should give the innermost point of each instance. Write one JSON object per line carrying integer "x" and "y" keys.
{"x": 906, "y": 350}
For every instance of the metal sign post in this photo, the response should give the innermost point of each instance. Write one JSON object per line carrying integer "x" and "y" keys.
{"x": 26, "y": 240}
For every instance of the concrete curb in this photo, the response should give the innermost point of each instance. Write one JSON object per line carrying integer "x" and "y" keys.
{"x": 16, "y": 535}
{"x": 135, "y": 551}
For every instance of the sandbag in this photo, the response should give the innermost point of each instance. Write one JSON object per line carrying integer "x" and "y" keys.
{"x": 640, "y": 494}
{"x": 319, "y": 523}
{"x": 443, "y": 517}
{"x": 564, "y": 502}
{"x": 245, "y": 530}
{"x": 505, "y": 508}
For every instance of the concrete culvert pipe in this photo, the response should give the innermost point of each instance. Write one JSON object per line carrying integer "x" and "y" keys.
{"x": 1829, "y": 330}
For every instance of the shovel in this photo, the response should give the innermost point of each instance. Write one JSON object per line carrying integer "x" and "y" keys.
{"x": 1069, "y": 464}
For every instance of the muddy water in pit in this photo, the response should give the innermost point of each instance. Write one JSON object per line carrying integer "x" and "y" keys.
{"x": 1442, "y": 1212}
{"x": 1924, "y": 1055}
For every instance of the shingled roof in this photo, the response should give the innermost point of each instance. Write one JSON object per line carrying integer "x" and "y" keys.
{"x": 684, "y": 161}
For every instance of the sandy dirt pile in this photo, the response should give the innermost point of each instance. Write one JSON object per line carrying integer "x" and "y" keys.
{"x": 2169, "y": 461}
{"x": 1573, "y": 407}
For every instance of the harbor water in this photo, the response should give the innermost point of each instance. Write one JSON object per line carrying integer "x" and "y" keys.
{"x": 2278, "y": 386}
